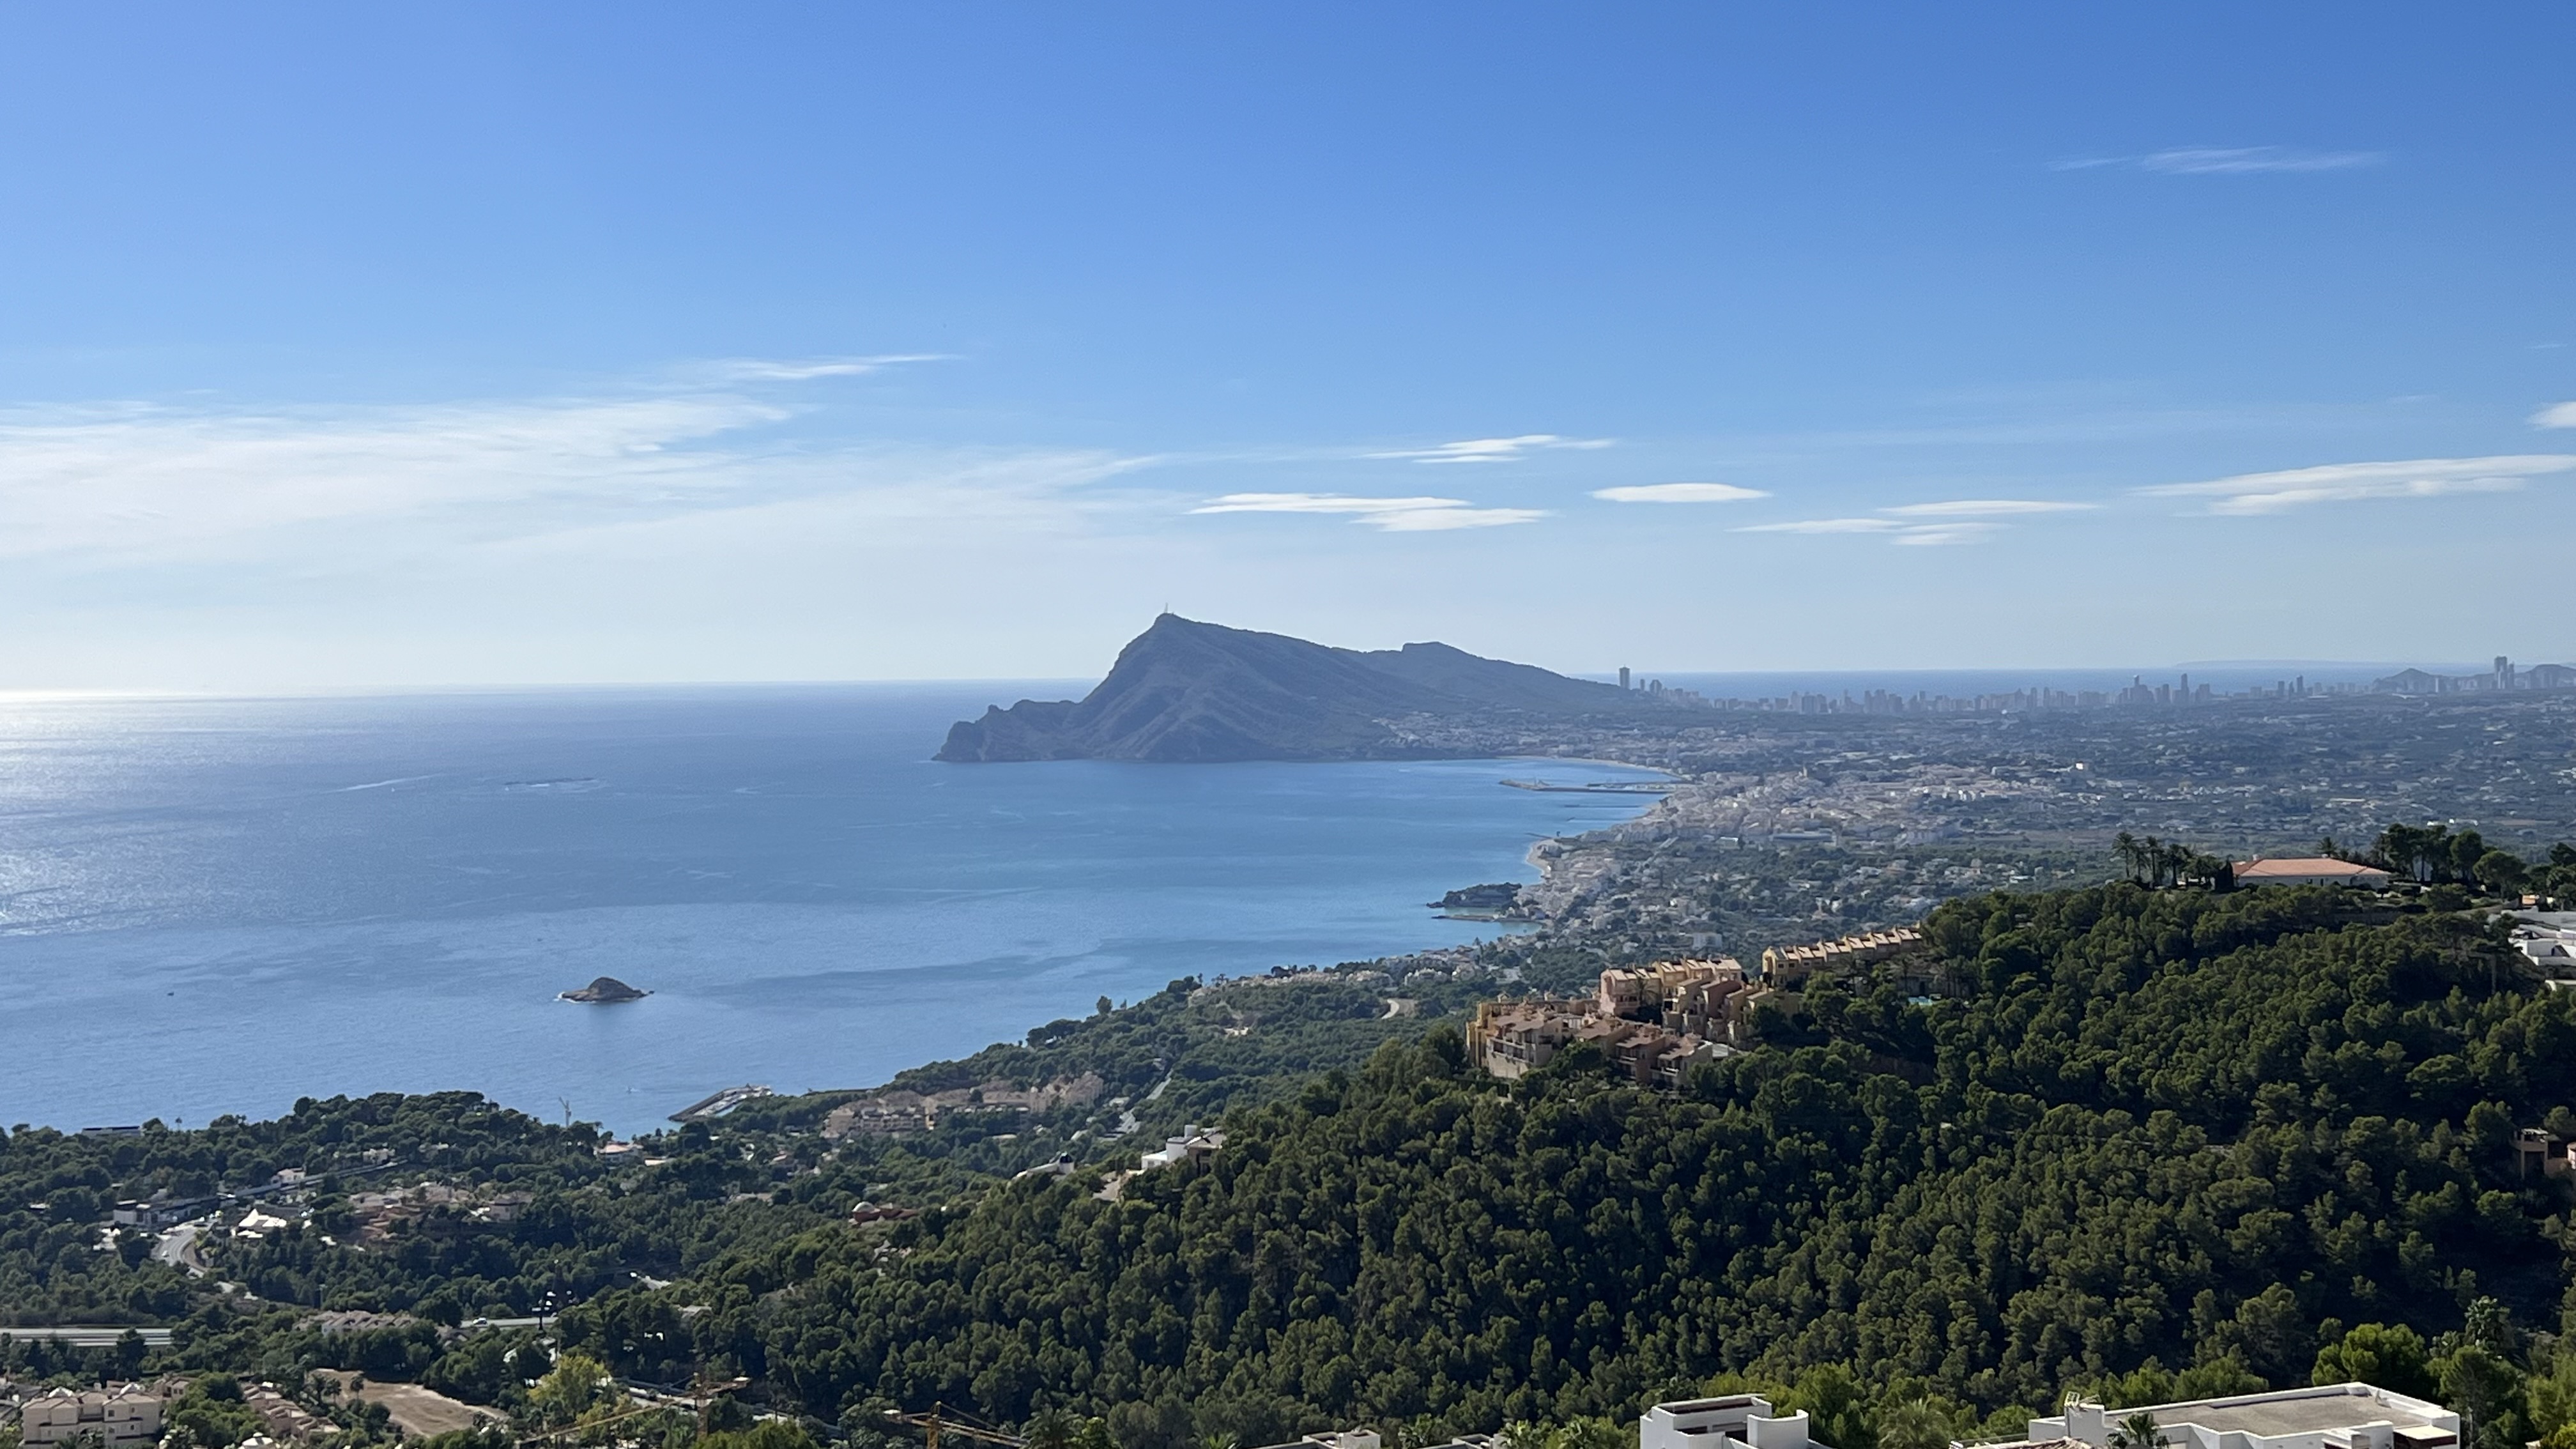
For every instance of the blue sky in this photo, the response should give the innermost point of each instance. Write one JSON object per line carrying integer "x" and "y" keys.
{"x": 492, "y": 343}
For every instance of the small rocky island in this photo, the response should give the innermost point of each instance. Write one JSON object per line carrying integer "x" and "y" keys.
{"x": 603, "y": 990}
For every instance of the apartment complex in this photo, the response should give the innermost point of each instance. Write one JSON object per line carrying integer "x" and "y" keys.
{"x": 1653, "y": 1022}
{"x": 1788, "y": 966}
{"x": 121, "y": 1416}
{"x": 1707, "y": 999}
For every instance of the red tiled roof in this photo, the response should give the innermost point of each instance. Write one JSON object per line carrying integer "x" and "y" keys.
{"x": 2305, "y": 867}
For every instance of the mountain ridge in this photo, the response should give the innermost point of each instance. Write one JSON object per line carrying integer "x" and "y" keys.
{"x": 1185, "y": 691}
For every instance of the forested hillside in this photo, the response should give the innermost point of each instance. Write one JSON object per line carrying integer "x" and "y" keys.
{"x": 2140, "y": 1129}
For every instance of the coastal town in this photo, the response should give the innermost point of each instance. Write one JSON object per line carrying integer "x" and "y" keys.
{"x": 1782, "y": 892}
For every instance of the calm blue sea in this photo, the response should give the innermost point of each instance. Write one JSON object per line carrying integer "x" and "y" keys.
{"x": 213, "y": 906}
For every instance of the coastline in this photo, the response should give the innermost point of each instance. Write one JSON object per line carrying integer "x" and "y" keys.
{"x": 1561, "y": 859}
{"x": 855, "y": 914}
{"x": 1593, "y": 760}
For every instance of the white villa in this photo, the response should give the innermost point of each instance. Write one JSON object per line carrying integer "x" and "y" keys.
{"x": 2333, "y": 1416}
{"x": 1732, "y": 1421}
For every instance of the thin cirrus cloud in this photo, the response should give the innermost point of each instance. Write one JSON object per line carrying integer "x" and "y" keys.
{"x": 1987, "y": 508}
{"x": 133, "y": 484}
{"x": 1908, "y": 535}
{"x": 1678, "y": 493}
{"x": 1960, "y": 520}
{"x": 1826, "y": 525}
{"x": 2557, "y": 415}
{"x": 759, "y": 369}
{"x": 2226, "y": 161}
{"x": 1390, "y": 515}
{"x": 1492, "y": 450}
{"x": 2254, "y": 494}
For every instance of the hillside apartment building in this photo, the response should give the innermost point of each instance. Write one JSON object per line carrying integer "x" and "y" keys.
{"x": 1787, "y": 966}
{"x": 123, "y": 1416}
{"x": 1655, "y": 1022}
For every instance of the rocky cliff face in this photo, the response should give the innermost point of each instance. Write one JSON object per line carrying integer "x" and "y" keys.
{"x": 1184, "y": 691}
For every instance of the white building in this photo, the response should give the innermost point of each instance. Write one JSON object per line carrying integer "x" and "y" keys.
{"x": 1191, "y": 1146}
{"x": 1368, "y": 1439}
{"x": 122, "y": 1416}
{"x": 2548, "y": 948}
{"x": 1733, "y": 1421}
{"x": 1346, "y": 1439}
{"x": 2333, "y": 1416}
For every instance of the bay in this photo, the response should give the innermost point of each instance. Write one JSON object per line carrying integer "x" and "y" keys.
{"x": 221, "y": 905}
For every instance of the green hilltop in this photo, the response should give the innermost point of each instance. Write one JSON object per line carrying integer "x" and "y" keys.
{"x": 2169, "y": 1129}
{"x": 2135, "y": 1141}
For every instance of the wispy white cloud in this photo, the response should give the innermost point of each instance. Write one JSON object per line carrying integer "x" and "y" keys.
{"x": 2226, "y": 160}
{"x": 1935, "y": 535}
{"x": 1915, "y": 535}
{"x": 1493, "y": 450}
{"x": 2278, "y": 492}
{"x": 2557, "y": 415}
{"x": 1393, "y": 515}
{"x": 1826, "y": 525}
{"x": 2240, "y": 160}
{"x": 1437, "y": 520}
{"x": 1986, "y": 508}
{"x": 132, "y": 483}
{"x": 757, "y": 369}
{"x": 1678, "y": 493}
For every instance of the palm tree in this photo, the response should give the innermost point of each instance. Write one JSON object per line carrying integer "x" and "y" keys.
{"x": 2137, "y": 1431}
{"x": 2125, "y": 846}
{"x": 1051, "y": 1429}
{"x": 1915, "y": 1424}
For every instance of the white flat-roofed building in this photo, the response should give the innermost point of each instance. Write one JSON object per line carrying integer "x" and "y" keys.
{"x": 2547, "y": 947}
{"x": 1368, "y": 1439}
{"x": 1195, "y": 1146}
{"x": 1730, "y": 1421}
{"x": 2330, "y": 1416}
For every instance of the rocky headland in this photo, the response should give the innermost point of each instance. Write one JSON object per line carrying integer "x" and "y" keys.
{"x": 1188, "y": 692}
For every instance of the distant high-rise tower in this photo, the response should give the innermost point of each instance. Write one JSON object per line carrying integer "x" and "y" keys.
{"x": 1623, "y": 676}
{"x": 2504, "y": 672}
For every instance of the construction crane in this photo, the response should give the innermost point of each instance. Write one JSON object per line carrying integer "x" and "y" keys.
{"x": 668, "y": 1403}
{"x": 965, "y": 1427}
{"x": 585, "y": 1428}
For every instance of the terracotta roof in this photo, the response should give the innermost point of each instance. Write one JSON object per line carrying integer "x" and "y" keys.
{"x": 2303, "y": 866}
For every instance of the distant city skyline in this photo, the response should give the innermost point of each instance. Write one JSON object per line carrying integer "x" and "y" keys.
{"x": 488, "y": 345}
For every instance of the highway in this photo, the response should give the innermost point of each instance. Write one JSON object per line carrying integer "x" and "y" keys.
{"x": 93, "y": 1336}
{"x": 178, "y": 1248}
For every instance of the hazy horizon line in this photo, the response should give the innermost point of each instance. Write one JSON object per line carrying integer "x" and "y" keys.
{"x": 44, "y": 693}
